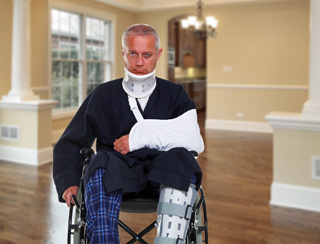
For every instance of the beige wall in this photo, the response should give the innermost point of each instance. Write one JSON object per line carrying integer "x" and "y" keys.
{"x": 254, "y": 104}
{"x": 5, "y": 46}
{"x": 266, "y": 45}
{"x": 44, "y": 121}
{"x": 39, "y": 44}
{"x": 293, "y": 150}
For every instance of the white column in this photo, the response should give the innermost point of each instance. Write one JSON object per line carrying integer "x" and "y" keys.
{"x": 20, "y": 67}
{"x": 311, "y": 108}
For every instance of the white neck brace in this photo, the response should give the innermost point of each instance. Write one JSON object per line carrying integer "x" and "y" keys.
{"x": 138, "y": 86}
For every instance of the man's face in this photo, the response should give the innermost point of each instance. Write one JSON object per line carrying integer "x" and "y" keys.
{"x": 140, "y": 55}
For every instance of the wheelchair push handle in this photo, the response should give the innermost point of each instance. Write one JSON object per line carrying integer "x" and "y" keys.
{"x": 75, "y": 201}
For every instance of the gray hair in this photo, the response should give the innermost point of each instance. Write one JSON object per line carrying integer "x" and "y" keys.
{"x": 141, "y": 30}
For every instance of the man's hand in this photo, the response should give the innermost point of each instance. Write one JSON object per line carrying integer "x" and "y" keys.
{"x": 122, "y": 145}
{"x": 67, "y": 195}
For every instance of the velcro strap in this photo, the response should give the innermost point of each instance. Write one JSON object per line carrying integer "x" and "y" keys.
{"x": 134, "y": 108}
{"x": 167, "y": 240}
{"x": 132, "y": 102}
{"x": 174, "y": 209}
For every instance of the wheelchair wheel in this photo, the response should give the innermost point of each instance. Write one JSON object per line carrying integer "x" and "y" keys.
{"x": 77, "y": 220}
{"x": 76, "y": 226}
{"x": 198, "y": 227}
{"x": 77, "y": 213}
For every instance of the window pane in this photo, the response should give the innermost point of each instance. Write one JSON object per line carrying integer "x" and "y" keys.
{"x": 65, "y": 83}
{"x": 67, "y": 37}
{"x": 65, "y": 28}
{"x": 56, "y": 91}
{"x": 56, "y": 72}
{"x": 97, "y": 38}
{"x": 97, "y": 73}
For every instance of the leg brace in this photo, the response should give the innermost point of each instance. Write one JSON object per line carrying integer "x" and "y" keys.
{"x": 174, "y": 212}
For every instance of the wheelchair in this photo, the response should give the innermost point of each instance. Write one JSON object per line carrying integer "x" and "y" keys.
{"x": 197, "y": 231}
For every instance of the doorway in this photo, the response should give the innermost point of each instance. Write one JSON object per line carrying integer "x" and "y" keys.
{"x": 187, "y": 63}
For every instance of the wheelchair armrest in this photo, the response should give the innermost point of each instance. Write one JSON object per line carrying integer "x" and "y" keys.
{"x": 194, "y": 153}
{"x": 87, "y": 152}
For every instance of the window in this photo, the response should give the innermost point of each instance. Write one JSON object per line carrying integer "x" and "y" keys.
{"x": 80, "y": 56}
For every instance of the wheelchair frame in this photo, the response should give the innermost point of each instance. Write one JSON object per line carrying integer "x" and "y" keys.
{"x": 198, "y": 226}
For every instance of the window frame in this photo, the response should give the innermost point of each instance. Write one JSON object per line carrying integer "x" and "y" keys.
{"x": 83, "y": 12}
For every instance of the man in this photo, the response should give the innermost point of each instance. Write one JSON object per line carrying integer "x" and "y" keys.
{"x": 145, "y": 127}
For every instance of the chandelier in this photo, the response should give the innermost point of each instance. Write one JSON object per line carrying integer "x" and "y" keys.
{"x": 200, "y": 26}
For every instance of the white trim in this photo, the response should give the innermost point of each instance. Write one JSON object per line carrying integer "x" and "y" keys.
{"x": 155, "y": 5}
{"x": 292, "y": 121}
{"x": 238, "y": 125}
{"x": 29, "y": 105}
{"x": 311, "y": 109}
{"x": 56, "y": 135}
{"x": 294, "y": 196}
{"x": 26, "y": 156}
{"x": 257, "y": 87}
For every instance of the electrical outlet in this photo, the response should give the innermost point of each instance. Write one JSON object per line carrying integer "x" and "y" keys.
{"x": 239, "y": 115}
{"x": 227, "y": 69}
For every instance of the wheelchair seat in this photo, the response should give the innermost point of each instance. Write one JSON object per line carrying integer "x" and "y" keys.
{"x": 198, "y": 226}
{"x": 139, "y": 205}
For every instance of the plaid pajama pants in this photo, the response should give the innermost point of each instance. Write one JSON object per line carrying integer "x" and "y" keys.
{"x": 103, "y": 211}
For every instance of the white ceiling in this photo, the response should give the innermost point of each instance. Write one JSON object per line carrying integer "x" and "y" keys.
{"x": 149, "y": 5}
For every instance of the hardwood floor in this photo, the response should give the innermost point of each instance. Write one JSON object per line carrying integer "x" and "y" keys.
{"x": 237, "y": 169}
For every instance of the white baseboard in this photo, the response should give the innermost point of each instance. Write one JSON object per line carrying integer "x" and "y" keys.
{"x": 293, "y": 196}
{"x": 26, "y": 156}
{"x": 238, "y": 125}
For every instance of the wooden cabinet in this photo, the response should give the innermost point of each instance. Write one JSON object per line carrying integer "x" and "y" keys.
{"x": 199, "y": 94}
{"x": 196, "y": 89}
{"x": 183, "y": 42}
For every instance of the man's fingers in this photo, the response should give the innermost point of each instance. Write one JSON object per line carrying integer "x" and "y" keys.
{"x": 122, "y": 145}
{"x": 70, "y": 200}
{"x": 67, "y": 195}
{"x": 67, "y": 199}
